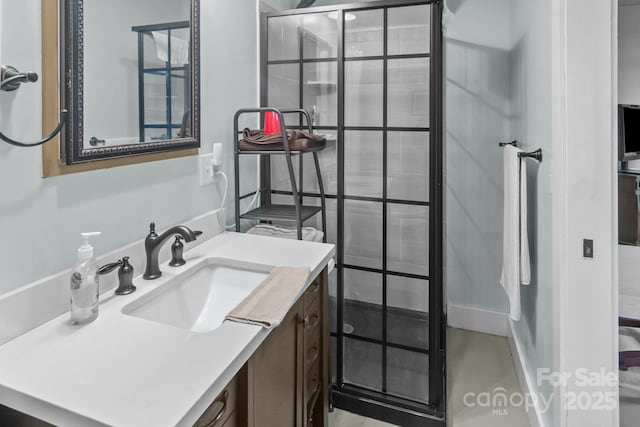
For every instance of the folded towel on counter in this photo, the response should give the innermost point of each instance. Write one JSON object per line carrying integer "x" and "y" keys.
{"x": 269, "y": 303}
{"x": 257, "y": 140}
{"x": 516, "y": 268}
{"x": 179, "y": 48}
{"x": 309, "y": 234}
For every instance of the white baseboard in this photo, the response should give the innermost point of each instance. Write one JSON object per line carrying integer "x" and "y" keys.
{"x": 527, "y": 383}
{"x": 473, "y": 319}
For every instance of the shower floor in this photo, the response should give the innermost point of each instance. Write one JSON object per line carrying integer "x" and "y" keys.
{"x": 407, "y": 362}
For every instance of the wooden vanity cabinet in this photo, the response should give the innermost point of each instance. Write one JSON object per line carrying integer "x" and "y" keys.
{"x": 229, "y": 408}
{"x": 289, "y": 373}
{"x": 285, "y": 383}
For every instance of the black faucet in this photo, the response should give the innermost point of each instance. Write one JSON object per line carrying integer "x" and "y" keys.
{"x": 153, "y": 243}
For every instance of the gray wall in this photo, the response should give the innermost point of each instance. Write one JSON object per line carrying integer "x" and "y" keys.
{"x": 498, "y": 88}
{"x": 41, "y": 219}
{"x": 532, "y": 125}
{"x": 290, "y": 4}
{"x": 629, "y": 55}
{"x": 278, "y": 4}
{"x": 478, "y": 116}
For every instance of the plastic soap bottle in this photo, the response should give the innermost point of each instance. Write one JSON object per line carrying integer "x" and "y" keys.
{"x": 84, "y": 284}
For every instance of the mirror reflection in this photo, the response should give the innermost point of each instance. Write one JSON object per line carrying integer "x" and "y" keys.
{"x": 137, "y": 72}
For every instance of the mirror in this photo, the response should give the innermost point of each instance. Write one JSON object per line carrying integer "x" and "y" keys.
{"x": 132, "y": 77}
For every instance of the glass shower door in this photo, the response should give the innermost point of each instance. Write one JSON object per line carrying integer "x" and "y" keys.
{"x": 366, "y": 74}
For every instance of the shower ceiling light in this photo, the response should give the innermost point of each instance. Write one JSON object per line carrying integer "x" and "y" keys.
{"x": 347, "y": 16}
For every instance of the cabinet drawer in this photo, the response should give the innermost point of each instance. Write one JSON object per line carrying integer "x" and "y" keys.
{"x": 222, "y": 407}
{"x": 312, "y": 292}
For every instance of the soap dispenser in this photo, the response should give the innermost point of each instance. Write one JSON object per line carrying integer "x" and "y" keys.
{"x": 84, "y": 284}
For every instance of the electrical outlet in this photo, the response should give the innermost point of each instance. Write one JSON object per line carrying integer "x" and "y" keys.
{"x": 217, "y": 155}
{"x": 205, "y": 169}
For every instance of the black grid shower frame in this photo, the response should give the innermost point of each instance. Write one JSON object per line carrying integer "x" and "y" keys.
{"x": 384, "y": 200}
{"x": 360, "y": 397}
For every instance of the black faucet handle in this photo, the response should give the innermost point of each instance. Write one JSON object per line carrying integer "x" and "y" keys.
{"x": 125, "y": 275}
{"x": 125, "y": 278}
{"x": 108, "y": 268}
{"x": 176, "y": 253}
{"x": 152, "y": 228}
{"x": 197, "y": 233}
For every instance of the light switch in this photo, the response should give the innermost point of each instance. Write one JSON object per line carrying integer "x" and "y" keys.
{"x": 587, "y": 248}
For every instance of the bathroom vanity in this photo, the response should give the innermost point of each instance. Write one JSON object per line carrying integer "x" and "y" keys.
{"x": 285, "y": 382}
{"x": 126, "y": 370}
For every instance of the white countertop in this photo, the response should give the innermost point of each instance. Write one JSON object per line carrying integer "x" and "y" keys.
{"x": 126, "y": 371}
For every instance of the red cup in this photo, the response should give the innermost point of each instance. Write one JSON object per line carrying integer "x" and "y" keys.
{"x": 271, "y": 123}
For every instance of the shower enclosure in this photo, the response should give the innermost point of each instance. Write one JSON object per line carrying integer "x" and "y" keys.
{"x": 370, "y": 73}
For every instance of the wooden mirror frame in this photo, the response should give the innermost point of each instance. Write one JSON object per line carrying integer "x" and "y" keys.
{"x": 51, "y": 106}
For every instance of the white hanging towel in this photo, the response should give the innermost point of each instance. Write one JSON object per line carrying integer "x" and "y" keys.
{"x": 179, "y": 48}
{"x": 516, "y": 269}
{"x": 525, "y": 261}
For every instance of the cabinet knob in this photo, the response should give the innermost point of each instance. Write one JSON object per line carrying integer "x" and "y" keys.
{"x": 314, "y": 288}
{"x": 316, "y": 352}
{"x": 311, "y": 321}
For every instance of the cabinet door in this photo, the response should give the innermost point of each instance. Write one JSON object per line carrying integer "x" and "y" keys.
{"x": 275, "y": 376}
{"x": 317, "y": 341}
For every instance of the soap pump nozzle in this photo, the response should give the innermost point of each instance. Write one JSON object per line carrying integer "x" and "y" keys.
{"x": 86, "y": 250}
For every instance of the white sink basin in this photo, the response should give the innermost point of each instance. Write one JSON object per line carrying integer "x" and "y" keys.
{"x": 199, "y": 299}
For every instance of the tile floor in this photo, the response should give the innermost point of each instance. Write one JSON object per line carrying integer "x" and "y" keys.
{"x": 478, "y": 363}
{"x": 475, "y": 363}
{"x": 340, "y": 418}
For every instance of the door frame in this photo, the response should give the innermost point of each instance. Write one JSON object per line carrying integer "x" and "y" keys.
{"x": 584, "y": 182}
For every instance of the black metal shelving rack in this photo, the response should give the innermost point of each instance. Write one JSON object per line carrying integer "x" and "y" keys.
{"x": 169, "y": 72}
{"x": 268, "y": 212}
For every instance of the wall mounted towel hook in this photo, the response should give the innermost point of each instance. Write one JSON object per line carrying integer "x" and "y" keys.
{"x": 10, "y": 80}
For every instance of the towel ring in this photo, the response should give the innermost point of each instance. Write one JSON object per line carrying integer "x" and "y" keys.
{"x": 56, "y": 131}
{"x": 10, "y": 80}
